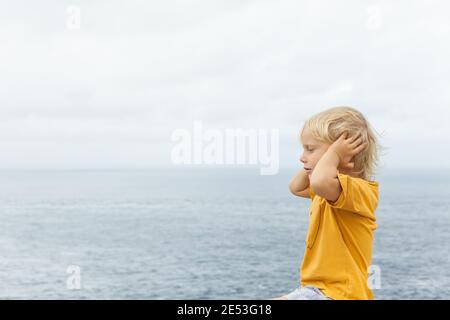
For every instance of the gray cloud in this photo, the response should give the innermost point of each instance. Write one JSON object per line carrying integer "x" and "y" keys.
{"x": 116, "y": 88}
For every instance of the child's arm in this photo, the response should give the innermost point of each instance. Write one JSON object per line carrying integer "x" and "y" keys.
{"x": 324, "y": 178}
{"x": 299, "y": 184}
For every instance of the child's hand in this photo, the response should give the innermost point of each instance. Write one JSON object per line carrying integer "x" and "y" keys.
{"x": 347, "y": 148}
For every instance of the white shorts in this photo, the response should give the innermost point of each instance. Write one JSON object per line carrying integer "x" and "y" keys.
{"x": 307, "y": 293}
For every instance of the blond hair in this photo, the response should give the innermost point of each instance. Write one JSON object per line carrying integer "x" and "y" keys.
{"x": 327, "y": 126}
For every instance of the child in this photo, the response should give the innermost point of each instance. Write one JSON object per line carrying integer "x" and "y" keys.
{"x": 339, "y": 158}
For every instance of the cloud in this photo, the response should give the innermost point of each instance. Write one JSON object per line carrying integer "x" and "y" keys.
{"x": 135, "y": 71}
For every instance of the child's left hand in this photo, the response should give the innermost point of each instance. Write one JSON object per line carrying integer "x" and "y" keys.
{"x": 347, "y": 148}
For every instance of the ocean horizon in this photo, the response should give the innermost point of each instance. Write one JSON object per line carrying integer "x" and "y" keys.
{"x": 201, "y": 233}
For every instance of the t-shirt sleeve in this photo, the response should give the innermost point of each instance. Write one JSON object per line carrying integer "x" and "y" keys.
{"x": 357, "y": 196}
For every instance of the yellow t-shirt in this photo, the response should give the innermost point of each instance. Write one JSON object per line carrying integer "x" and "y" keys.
{"x": 339, "y": 240}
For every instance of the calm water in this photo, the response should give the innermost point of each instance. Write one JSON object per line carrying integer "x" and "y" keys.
{"x": 201, "y": 234}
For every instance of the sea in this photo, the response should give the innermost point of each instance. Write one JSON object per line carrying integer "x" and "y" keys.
{"x": 202, "y": 233}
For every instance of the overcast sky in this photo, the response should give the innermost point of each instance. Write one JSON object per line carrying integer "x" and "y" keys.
{"x": 110, "y": 91}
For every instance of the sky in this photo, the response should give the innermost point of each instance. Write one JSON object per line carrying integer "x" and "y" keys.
{"x": 105, "y": 84}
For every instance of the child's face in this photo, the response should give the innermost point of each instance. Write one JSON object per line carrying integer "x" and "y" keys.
{"x": 313, "y": 150}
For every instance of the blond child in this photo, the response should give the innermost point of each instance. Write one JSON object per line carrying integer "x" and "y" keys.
{"x": 339, "y": 158}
